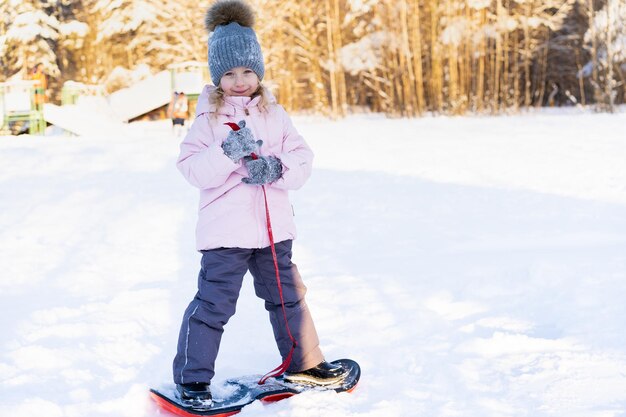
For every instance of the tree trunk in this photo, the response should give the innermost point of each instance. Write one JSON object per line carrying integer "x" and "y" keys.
{"x": 339, "y": 72}
{"x": 506, "y": 68}
{"x": 417, "y": 58}
{"x": 497, "y": 64}
{"x": 332, "y": 61}
{"x": 436, "y": 80}
{"x": 516, "y": 71}
{"x": 527, "y": 55}
{"x": 609, "y": 58}
{"x": 581, "y": 83}
{"x": 480, "y": 84}
{"x": 408, "y": 85}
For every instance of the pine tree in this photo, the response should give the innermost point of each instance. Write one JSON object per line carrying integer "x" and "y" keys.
{"x": 30, "y": 38}
{"x": 606, "y": 38}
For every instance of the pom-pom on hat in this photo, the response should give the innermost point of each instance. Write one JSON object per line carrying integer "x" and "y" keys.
{"x": 233, "y": 42}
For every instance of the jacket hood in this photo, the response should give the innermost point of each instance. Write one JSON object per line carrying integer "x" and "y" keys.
{"x": 231, "y": 103}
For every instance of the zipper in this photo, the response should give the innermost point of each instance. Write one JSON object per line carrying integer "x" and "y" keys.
{"x": 259, "y": 218}
{"x": 258, "y": 203}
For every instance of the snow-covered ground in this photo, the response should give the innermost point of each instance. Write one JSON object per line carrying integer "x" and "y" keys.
{"x": 474, "y": 266}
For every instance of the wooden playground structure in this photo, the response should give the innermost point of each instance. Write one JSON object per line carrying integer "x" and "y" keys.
{"x": 18, "y": 105}
{"x": 22, "y": 107}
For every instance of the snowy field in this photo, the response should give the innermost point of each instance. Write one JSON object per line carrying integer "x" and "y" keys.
{"x": 474, "y": 266}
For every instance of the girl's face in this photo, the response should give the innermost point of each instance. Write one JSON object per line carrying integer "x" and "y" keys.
{"x": 239, "y": 81}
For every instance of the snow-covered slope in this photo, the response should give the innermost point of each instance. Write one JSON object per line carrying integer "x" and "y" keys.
{"x": 142, "y": 97}
{"x": 473, "y": 266}
{"x": 83, "y": 119}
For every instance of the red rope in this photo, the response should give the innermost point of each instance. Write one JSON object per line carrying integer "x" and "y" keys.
{"x": 279, "y": 370}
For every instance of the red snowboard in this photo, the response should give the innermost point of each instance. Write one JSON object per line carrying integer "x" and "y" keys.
{"x": 242, "y": 391}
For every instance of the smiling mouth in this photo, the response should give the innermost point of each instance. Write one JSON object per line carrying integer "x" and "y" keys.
{"x": 240, "y": 91}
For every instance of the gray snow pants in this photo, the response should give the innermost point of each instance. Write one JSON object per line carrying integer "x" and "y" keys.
{"x": 219, "y": 283}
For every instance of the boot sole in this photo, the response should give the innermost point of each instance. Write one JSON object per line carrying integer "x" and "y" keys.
{"x": 304, "y": 379}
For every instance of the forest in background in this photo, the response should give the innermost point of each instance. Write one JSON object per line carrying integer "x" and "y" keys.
{"x": 398, "y": 57}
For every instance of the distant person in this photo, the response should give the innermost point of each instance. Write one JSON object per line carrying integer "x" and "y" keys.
{"x": 41, "y": 84}
{"x": 222, "y": 157}
{"x": 178, "y": 111}
{"x": 170, "y": 106}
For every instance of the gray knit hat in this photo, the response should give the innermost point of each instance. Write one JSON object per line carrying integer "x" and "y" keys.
{"x": 233, "y": 42}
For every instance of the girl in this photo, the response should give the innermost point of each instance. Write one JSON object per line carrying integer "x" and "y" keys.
{"x": 220, "y": 156}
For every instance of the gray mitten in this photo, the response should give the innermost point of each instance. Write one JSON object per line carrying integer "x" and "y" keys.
{"x": 264, "y": 170}
{"x": 240, "y": 142}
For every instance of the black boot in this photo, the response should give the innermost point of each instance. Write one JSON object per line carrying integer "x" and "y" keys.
{"x": 195, "y": 391}
{"x": 323, "y": 374}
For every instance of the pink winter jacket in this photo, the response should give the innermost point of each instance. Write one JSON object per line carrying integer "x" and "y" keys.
{"x": 232, "y": 213}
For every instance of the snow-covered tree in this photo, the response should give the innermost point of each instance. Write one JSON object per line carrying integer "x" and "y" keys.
{"x": 117, "y": 24}
{"x": 607, "y": 37}
{"x": 154, "y": 32}
{"x": 294, "y": 39}
{"x": 30, "y": 38}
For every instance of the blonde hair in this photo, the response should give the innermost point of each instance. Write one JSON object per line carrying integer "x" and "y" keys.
{"x": 216, "y": 98}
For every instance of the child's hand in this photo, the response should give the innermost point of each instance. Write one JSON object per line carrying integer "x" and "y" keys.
{"x": 264, "y": 170}
{"x": 240, "y": 143}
